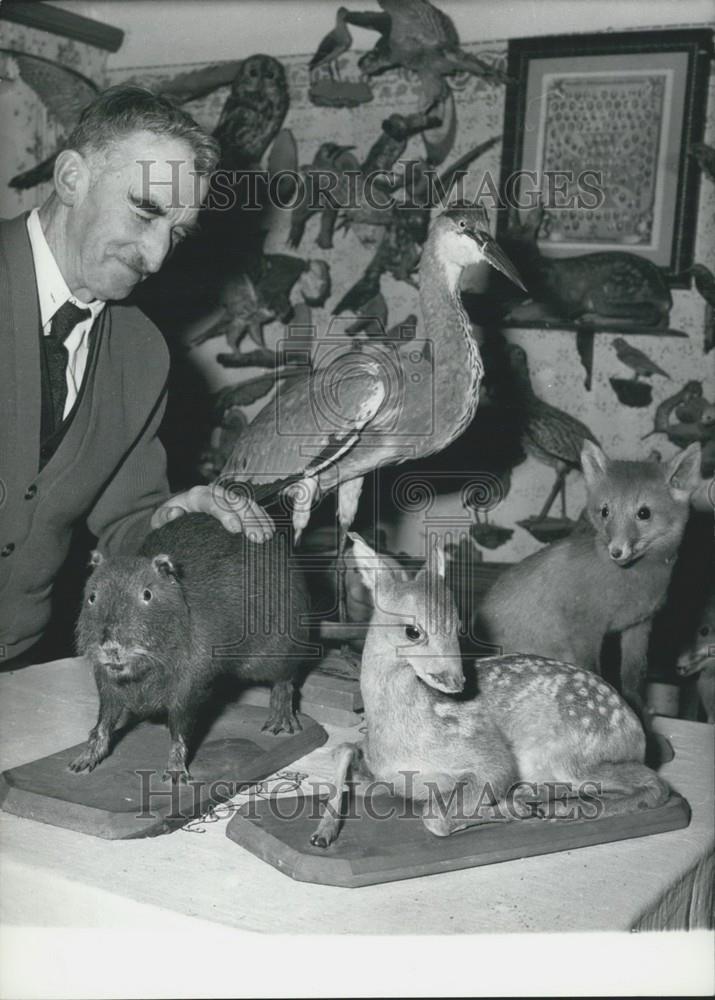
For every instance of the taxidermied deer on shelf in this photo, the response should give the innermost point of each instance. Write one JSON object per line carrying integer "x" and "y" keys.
{"x": 531, "y": 720}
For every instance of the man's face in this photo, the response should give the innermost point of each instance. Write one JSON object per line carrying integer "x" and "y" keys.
{"x": 137, "y": 205}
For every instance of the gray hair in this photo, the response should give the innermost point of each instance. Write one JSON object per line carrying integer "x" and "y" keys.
{"x": 123, "y": 109}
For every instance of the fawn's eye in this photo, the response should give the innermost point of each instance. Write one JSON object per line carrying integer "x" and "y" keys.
{"x": 705, "y": 630}
{"x": 413, "y": 633}
{"x": 92, "y": 598}
{"x": 605, "y": 511}
{"x": 643, "y": 513}
{"x": 146, "y": 596}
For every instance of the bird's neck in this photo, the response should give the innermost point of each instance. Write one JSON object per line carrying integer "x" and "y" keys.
{"x": 458, "y": 365}
{"x": 442, "y": 309}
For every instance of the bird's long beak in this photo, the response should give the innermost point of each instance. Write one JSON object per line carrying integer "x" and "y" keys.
{"x": 494, "y": 255}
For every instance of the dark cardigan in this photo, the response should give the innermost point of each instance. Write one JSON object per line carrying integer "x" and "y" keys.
{"x": 110, "y": 467}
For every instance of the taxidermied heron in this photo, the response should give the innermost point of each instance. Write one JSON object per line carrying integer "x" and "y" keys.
{"x": 382, "y": 404}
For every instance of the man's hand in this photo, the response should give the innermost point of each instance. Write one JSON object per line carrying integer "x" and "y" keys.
{"x": 235, "y": 511}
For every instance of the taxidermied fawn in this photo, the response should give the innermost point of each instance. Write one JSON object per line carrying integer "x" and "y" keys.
{"x": 530, "y": 720}
{"x": 564, "y": 599}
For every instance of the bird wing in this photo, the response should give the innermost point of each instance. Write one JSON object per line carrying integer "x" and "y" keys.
{"x": 64, "y": 92}
{"x": 370, "y": 20}
{"x": 308, "y": 427}
{"x": 199, "y": 82}
{"x": 418, "y": 24}
{"x": 558, "y": 434}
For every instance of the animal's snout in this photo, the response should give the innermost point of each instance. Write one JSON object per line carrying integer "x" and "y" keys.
{"x": 448, "y": 681}
{"x": 110, "y": 653}
{"x": 620, "y": 552}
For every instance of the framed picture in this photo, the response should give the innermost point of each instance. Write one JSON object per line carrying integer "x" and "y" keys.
{"x": 600, "y": 127}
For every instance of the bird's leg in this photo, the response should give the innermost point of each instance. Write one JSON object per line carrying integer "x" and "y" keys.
{"x": 558, "y": 484}
{"x": 348, "y": 499}
{"x": 563, "y": 496}
{"x": 302, "y": 494}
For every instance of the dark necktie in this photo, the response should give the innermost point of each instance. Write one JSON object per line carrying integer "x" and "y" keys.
{"x": 63, "y": 323}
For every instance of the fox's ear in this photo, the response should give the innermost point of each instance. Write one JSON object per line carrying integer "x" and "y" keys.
{"x": 593, "y": 462}
{"x": 682, "y": 473}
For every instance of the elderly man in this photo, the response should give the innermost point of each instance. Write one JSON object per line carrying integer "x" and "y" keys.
{"x": 83, "y": 376}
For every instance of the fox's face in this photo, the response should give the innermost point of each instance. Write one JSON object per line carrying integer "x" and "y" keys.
{"x": 639, "y": 507}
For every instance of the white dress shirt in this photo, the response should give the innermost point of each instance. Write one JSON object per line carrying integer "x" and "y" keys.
{"x": 52, "y": 292}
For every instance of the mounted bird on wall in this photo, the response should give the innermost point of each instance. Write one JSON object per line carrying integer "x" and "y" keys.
{"x": 694, "y": 421}
{"x": 631, "y": 391}
{"x": 417, "y": 36}
{"x": 251, "y": 117}
{"x": 387, "y": 403}
{"x": 339, "y": 161}
{"x": 550, "y": 435}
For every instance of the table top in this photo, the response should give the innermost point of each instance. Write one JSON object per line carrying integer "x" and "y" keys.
{"x": 56, "y": 877}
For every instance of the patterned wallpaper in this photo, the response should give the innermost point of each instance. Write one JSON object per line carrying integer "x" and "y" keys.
{"x": 556, "y": 372}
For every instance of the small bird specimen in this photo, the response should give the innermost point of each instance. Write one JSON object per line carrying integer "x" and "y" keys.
{"x": 551, "y": 435}
{"x": 244, "y": 313}
{"x": 339, "y": 161}
{"x": 335, "y": 43}
{"x": 636, "y": 360}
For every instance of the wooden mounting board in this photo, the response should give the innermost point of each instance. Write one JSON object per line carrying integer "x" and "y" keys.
{"x": 116, "y": 802}
{"x": 370, "y": 851}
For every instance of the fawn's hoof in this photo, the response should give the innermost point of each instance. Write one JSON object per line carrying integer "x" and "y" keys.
{"x": 320, "y": 840}
{"x": 440, "y": 826}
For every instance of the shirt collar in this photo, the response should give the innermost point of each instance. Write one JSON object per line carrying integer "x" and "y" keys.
{"x": 52, "y": 290}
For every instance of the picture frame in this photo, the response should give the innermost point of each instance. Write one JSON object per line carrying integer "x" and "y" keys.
{"x": 600, "y": 127}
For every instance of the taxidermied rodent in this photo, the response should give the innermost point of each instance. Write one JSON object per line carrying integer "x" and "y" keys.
{"x": 698, "y": 661}
{"x": 563, "y": 600}
{"x": 196, "y": 602}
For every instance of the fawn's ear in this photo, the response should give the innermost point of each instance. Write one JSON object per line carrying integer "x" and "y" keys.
{"x": 593, "y": 462}
{"x": 368, "y": 563}
{"x": 435, "y": 562}
{"x": 682, "y": 473}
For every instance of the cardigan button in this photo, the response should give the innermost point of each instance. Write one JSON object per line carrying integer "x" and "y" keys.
{"x": 8, "y": 549}
{"x": 31, "y": 491}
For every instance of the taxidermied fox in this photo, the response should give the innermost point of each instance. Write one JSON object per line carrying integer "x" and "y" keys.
{"x": 562, "y": 601}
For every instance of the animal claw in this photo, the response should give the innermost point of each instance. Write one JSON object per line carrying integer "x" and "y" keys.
{"x": 318, "y": 840}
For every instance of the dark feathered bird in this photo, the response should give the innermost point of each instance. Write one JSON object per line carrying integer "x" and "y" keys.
{"x": 333, "y": 45}
{"x": 333, "y": 159}
{"x": 253, "y": 113}
{"x": 417, "y": 36}
{"x": 551, "y": 435}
